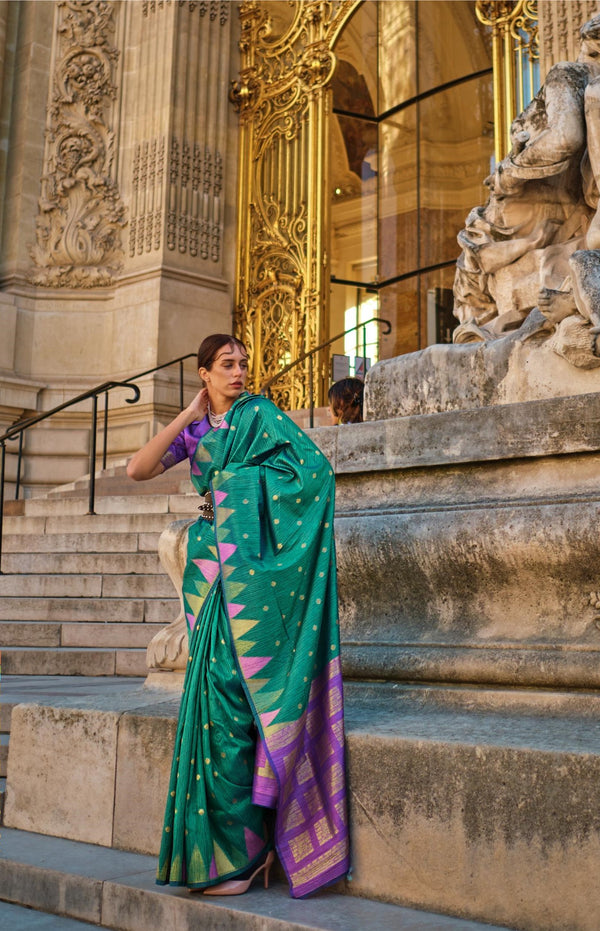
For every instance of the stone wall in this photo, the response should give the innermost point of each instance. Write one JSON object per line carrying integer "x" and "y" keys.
{"x": 118, "y": 178}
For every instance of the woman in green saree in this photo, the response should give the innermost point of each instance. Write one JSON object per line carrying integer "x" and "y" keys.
{"x": 261, "y": 717}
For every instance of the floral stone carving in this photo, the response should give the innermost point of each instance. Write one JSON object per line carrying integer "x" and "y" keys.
{"x": 78, "y": 229}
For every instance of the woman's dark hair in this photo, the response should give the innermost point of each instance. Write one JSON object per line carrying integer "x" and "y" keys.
{"x": 346, "y": 399}
{"x": 210, "y": 346}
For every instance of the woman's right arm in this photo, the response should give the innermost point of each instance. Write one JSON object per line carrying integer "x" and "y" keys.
{"x": 146, "y": 464}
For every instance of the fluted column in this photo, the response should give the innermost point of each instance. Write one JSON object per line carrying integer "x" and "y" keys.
{"x": 559, "y": 25}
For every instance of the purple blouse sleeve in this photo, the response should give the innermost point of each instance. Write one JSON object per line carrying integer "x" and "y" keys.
{"x": 184, "y": 445}
{"x": 176, "y": 452}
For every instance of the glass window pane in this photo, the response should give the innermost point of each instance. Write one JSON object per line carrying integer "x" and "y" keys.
{"x": 354, "y": 199}
{"x": 355, "y": 80}
{"x": 399, "y": 303}
{"x": 398, "y": 234}
{"x": 452, "y": 42}
{"x": 397, "y": 53}
{"x": 437, "y": 302}
{"x": 456, "y": 148}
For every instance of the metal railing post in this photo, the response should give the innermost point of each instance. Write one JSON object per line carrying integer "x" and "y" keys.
{"x": 19, "y": 461}
{"x": 311, "y": 391}
{"x": 93, "y": 455}
{"x": 364, "y": 335}
{"x": 105, "y": 437}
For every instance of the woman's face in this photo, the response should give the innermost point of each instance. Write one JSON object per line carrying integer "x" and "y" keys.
{"x": 226, "y": 377}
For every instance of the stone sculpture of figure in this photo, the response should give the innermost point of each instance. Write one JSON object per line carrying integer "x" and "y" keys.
{"x": 536, "y": 243}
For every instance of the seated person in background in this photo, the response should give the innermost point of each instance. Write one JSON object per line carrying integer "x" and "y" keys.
{"x": 346, "y": 401}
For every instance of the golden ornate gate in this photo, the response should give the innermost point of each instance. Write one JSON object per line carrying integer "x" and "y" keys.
{"x": 283, "y": 269}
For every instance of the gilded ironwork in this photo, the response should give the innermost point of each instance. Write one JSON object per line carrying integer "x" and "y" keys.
{"x": 284, "y": 103}
{"x": 515, "y": 49}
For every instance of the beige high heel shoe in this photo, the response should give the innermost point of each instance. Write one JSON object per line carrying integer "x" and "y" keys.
{"x": 239, "y": 886}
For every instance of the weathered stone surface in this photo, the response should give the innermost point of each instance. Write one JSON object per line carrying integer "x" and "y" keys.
{"x": 477, "y": 375}
{"x": 482, "y": 804}
{"x": 467, "y": 546}
{"x": 61, "y": 772}
{"x": 25, "y": 661}
{"x": 144, "y": 753}
{"x": 51, "y": 890}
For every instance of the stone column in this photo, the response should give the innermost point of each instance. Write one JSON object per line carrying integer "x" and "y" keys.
{"x": 119, "y": 231}
{"x": 559, "y": 25}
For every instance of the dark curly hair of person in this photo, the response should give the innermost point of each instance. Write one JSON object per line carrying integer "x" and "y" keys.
{"x": 346, "y": 400}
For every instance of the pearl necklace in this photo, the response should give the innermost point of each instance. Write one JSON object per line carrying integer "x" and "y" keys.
{"x": 215, "y": 420}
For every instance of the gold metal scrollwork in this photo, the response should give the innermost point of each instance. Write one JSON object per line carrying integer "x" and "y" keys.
{"x": 284, "y": 103}
{"x": 515, "y": 48}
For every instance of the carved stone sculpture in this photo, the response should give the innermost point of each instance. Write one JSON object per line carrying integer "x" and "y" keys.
{"x": 533, "y": 250}
{"x": 78, "y": 230}
{"x": 168, "y": 649}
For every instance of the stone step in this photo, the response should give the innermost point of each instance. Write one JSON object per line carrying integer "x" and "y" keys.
{"x": 80, "y": 563}
{"x": 51, "y": 586}
{"x": 39, "y": 634}
{"x": 116, "y": 889}
{"x": 115, "y": 480}
{"x": 94, "y": 523}
{"x": 30, "y": 661}
{"x": 114, "y": 610}
{"x": 87, "y": 586}
{"x": 119, "y": 504}
{"x": 20, "y": 918}
{"x": 478, "y": 803}
{"x": 76, "y": 543}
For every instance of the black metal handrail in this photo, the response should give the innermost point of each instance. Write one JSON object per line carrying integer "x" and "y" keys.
{"x": 266, "y": 386}
{"x": 18, "y": 429}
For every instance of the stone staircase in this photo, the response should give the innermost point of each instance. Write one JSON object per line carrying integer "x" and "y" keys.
{"x": 81, "y": 594}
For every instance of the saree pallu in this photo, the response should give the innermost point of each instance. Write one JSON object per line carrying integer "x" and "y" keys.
{"x": 261, "y": 719}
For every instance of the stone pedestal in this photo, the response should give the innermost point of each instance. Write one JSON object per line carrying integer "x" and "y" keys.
{"x": 467, "y": 544}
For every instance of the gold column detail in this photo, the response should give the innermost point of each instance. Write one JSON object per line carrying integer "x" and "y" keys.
{"x": 284, "y": 103}
{"x": 515, "y": 49}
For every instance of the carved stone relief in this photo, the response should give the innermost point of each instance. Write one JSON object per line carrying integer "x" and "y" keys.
{"x": 195, "y": 211}
{"x": 145, "y": 230}
{"x": 531, "y": 255}
{"x": 214, "y": 8}
{"x": 78, "y": 229}
{"x": 559, "y": 25}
